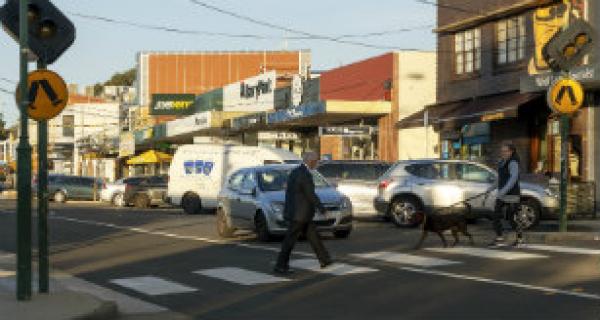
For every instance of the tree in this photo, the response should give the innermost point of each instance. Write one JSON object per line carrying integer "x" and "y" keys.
{"x": 126, "y": 78}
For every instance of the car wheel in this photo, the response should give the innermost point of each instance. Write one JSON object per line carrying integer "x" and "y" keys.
{"x": 191, "y": 204}
{"x": 528, "y": 214}
{"x": 141, "y": 201}
{"x": 223, "y": 227}
{"x": 403, "y": 211}
{"x": 60, "y": 197}
{"x": 262, "y": 228}
{"x": 342, "y": 234}
{"x": 118, "y": 200}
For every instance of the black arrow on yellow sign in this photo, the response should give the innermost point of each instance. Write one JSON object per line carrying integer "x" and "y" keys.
{"x": 566, "y": 90}
{"x": 47, "y": 88}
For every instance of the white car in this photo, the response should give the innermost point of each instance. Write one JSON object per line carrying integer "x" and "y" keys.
{"x": 114, "y": 192}
{"x": 198, "y": 171}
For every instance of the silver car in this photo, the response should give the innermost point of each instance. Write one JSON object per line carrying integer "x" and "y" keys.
{"x": 357, "y": 180}
{"x": 253, "y": 199}
{"x": 115, "y": 192}
{"x": 415, "y": 185}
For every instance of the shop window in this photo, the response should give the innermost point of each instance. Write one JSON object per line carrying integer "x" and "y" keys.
{"x": 68, "y": 126}
{"x": 511, "y": 36}
{"x": 467, "y": 51}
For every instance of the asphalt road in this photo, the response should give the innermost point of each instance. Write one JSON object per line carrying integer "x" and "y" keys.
{"x": 178, "y": 262}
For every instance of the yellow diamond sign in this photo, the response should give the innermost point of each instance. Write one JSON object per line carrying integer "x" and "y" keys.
{"x": 566, "y": 95}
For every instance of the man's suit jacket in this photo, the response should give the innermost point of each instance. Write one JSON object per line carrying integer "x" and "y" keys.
{"x": 300, "y": 197}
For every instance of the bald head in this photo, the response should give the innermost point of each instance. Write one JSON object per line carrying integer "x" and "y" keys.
{"x": 310, "y": 159}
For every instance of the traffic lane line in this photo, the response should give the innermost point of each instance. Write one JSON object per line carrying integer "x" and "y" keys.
{"x": 546, "y": 290}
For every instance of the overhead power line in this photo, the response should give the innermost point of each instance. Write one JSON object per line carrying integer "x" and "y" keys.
{"x": 445, "y": 6}
{"x": 6, "y": 91}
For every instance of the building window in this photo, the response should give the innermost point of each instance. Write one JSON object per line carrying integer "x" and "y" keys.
{"x": 510, "y": 40}
{"x": 68, "y": 126}
{"x": 467, "y": 51}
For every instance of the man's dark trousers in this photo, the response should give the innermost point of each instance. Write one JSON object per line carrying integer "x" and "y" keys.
{"x": 295, "y": 229}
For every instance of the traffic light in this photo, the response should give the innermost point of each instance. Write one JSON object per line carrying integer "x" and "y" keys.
{"x": 51, "y": 33}
{"x": 568, "y": 47}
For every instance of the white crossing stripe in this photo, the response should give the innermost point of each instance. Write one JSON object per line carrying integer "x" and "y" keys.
{"x": 153, "y": 286}
{"x": 488, "y": 253}
{"x": 336, "y": 269}
{"x": 561, "y": 249}
{"x": 409, "y": 259}
{"x": 240, "y": 276}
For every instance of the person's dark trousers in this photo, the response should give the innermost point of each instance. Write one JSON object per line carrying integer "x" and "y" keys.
{"x": 505, "y": 210}
{"x": 295, "y": 229}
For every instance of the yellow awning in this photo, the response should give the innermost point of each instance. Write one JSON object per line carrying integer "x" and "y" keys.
{"x": 150, "y": 157}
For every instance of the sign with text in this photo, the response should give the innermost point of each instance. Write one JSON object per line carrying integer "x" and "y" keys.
{"x": 126, "y": 144}
{"x": 193, "y": 123}
{"x": 172, "y": 104}
{"x": 345, "y": 131}
{"x": 252, "y": 94}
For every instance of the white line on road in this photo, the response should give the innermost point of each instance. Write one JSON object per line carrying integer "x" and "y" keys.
{"x": 503, "y": 283}
{"x": 240, "y": 276}
{"x": 153, "y": 286}
{"x": 406, "y": 259}
{"x": 336, "y": 269}
{"x": 488, "y": 253}
{"x": 561, "y": 249}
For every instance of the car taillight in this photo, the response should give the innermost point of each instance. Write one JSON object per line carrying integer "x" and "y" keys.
{"x": 384, "y": 184}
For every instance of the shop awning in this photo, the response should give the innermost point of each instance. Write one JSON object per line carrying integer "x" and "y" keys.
{"x": 150, "y": 157}
{"x": 481, "y": 109}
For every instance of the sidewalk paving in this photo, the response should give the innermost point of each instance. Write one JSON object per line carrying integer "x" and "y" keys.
{"x": 577, "y": 230}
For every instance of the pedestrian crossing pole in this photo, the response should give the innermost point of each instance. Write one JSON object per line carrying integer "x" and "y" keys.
{"x": 564, "y": 168}
{"x": 43, "y": 263}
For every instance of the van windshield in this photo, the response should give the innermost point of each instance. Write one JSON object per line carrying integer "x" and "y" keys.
{"x": 276, "y": 180}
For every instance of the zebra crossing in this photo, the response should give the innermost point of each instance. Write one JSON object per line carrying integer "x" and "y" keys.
{"x": 153, "y": 285}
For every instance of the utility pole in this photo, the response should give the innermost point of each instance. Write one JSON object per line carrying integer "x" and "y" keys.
{"x": 43, "y": 260}
{"x": 23, "y": 167}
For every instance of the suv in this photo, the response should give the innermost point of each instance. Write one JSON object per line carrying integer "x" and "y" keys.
{"x": 410, "y": 186}
{"x": 145, "y": 192}
{"x": 114, "y": 193}
{"x": 62, "y": 187}
{"x": 253, "y": 199}
{"x": 357, "y": 180}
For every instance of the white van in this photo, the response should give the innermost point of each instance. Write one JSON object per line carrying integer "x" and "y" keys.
{"x": 198, "y": 171}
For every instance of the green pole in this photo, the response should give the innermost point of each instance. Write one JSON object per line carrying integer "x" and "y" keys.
{"x": 24, "y": 169}
{"x": 43, "y": 263}
{"x": 564, "y": 157}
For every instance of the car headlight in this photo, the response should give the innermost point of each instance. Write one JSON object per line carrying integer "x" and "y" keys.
{"x": 549, "y": 192}
{"x": 277, "y": 209}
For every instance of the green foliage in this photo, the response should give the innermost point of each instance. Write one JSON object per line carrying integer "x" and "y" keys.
{"x": 122, "y": 79}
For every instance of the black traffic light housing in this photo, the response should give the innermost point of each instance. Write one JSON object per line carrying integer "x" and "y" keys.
{"x": 51, "y": 33}
{"x": 568, "y": 47}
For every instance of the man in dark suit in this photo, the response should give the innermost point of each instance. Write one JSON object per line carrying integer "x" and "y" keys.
{"x": 299, "y": 210}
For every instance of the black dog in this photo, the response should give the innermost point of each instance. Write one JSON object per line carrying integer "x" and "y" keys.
{"x": 454, "y": 219}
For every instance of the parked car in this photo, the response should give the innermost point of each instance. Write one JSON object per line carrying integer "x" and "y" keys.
{"x": 198, "y": 171}
{"x": 415, "y": 185}
{"x": 253, "y": 199}
{"x": 147, "y": 192}
{"x": 357, "y": 180}
{"x": 62, "y": 187}
{"x": 115, "y": 192}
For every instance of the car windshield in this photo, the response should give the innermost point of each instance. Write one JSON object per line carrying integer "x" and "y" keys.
{"x": 276, "y": 180}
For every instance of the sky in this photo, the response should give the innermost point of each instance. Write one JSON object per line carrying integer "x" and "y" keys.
{"x": 102, "y": 48}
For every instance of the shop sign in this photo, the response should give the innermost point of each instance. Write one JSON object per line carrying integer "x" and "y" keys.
{"x": 247, "y": 121}
{"x": 172, "y": 104}
{"x": 302, "y": 111}
{"x": 252, "y": 94}
{"x": 345, "y": 131}
{"x": 126, "y": 144}
{"x": 476, "y": 129}
{"x": 493, "y": 117}
{"x": 270, "y": 136}
{"x": 588, "y": 76}
{"x": 190, "y": 124}
{"x": 296, "y": 90}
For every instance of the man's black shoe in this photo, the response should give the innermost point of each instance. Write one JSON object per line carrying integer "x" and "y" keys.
{"x": 326, "y": 264}
{"x": 282, "y": 271}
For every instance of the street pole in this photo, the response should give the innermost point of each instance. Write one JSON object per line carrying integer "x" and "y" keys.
{"x": 564, "y": 166}
{"x": 24, "y": 168}
{"x": 43, "y": 260}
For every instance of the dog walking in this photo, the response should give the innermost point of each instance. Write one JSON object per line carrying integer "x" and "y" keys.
{"x": 299, "y": 210}
{"x": 508, "y": 196}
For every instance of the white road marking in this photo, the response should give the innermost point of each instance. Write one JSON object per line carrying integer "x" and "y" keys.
{"x": 153, "y": 286}
{"x": 503, "y": 283}
{"x": 561, "y": 249}
{"x": 488, "y": 253}
{"x": 240, "y": 276}
{"x": 336, "y": 269}
{"x": 410, "y": 259}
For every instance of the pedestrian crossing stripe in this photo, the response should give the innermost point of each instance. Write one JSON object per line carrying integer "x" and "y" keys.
{"x": 336, "y": 269}
{"x": 240, "y": 276}
{"x": 488, "y": 253}
{"x": 409, "y": 259}
{"x": 560, "y": 249}
{"x": 153, "y": 286}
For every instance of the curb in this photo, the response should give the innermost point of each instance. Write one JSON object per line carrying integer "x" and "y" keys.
{"x": 566, "y": 236}
{"x": 106, "y": 311}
